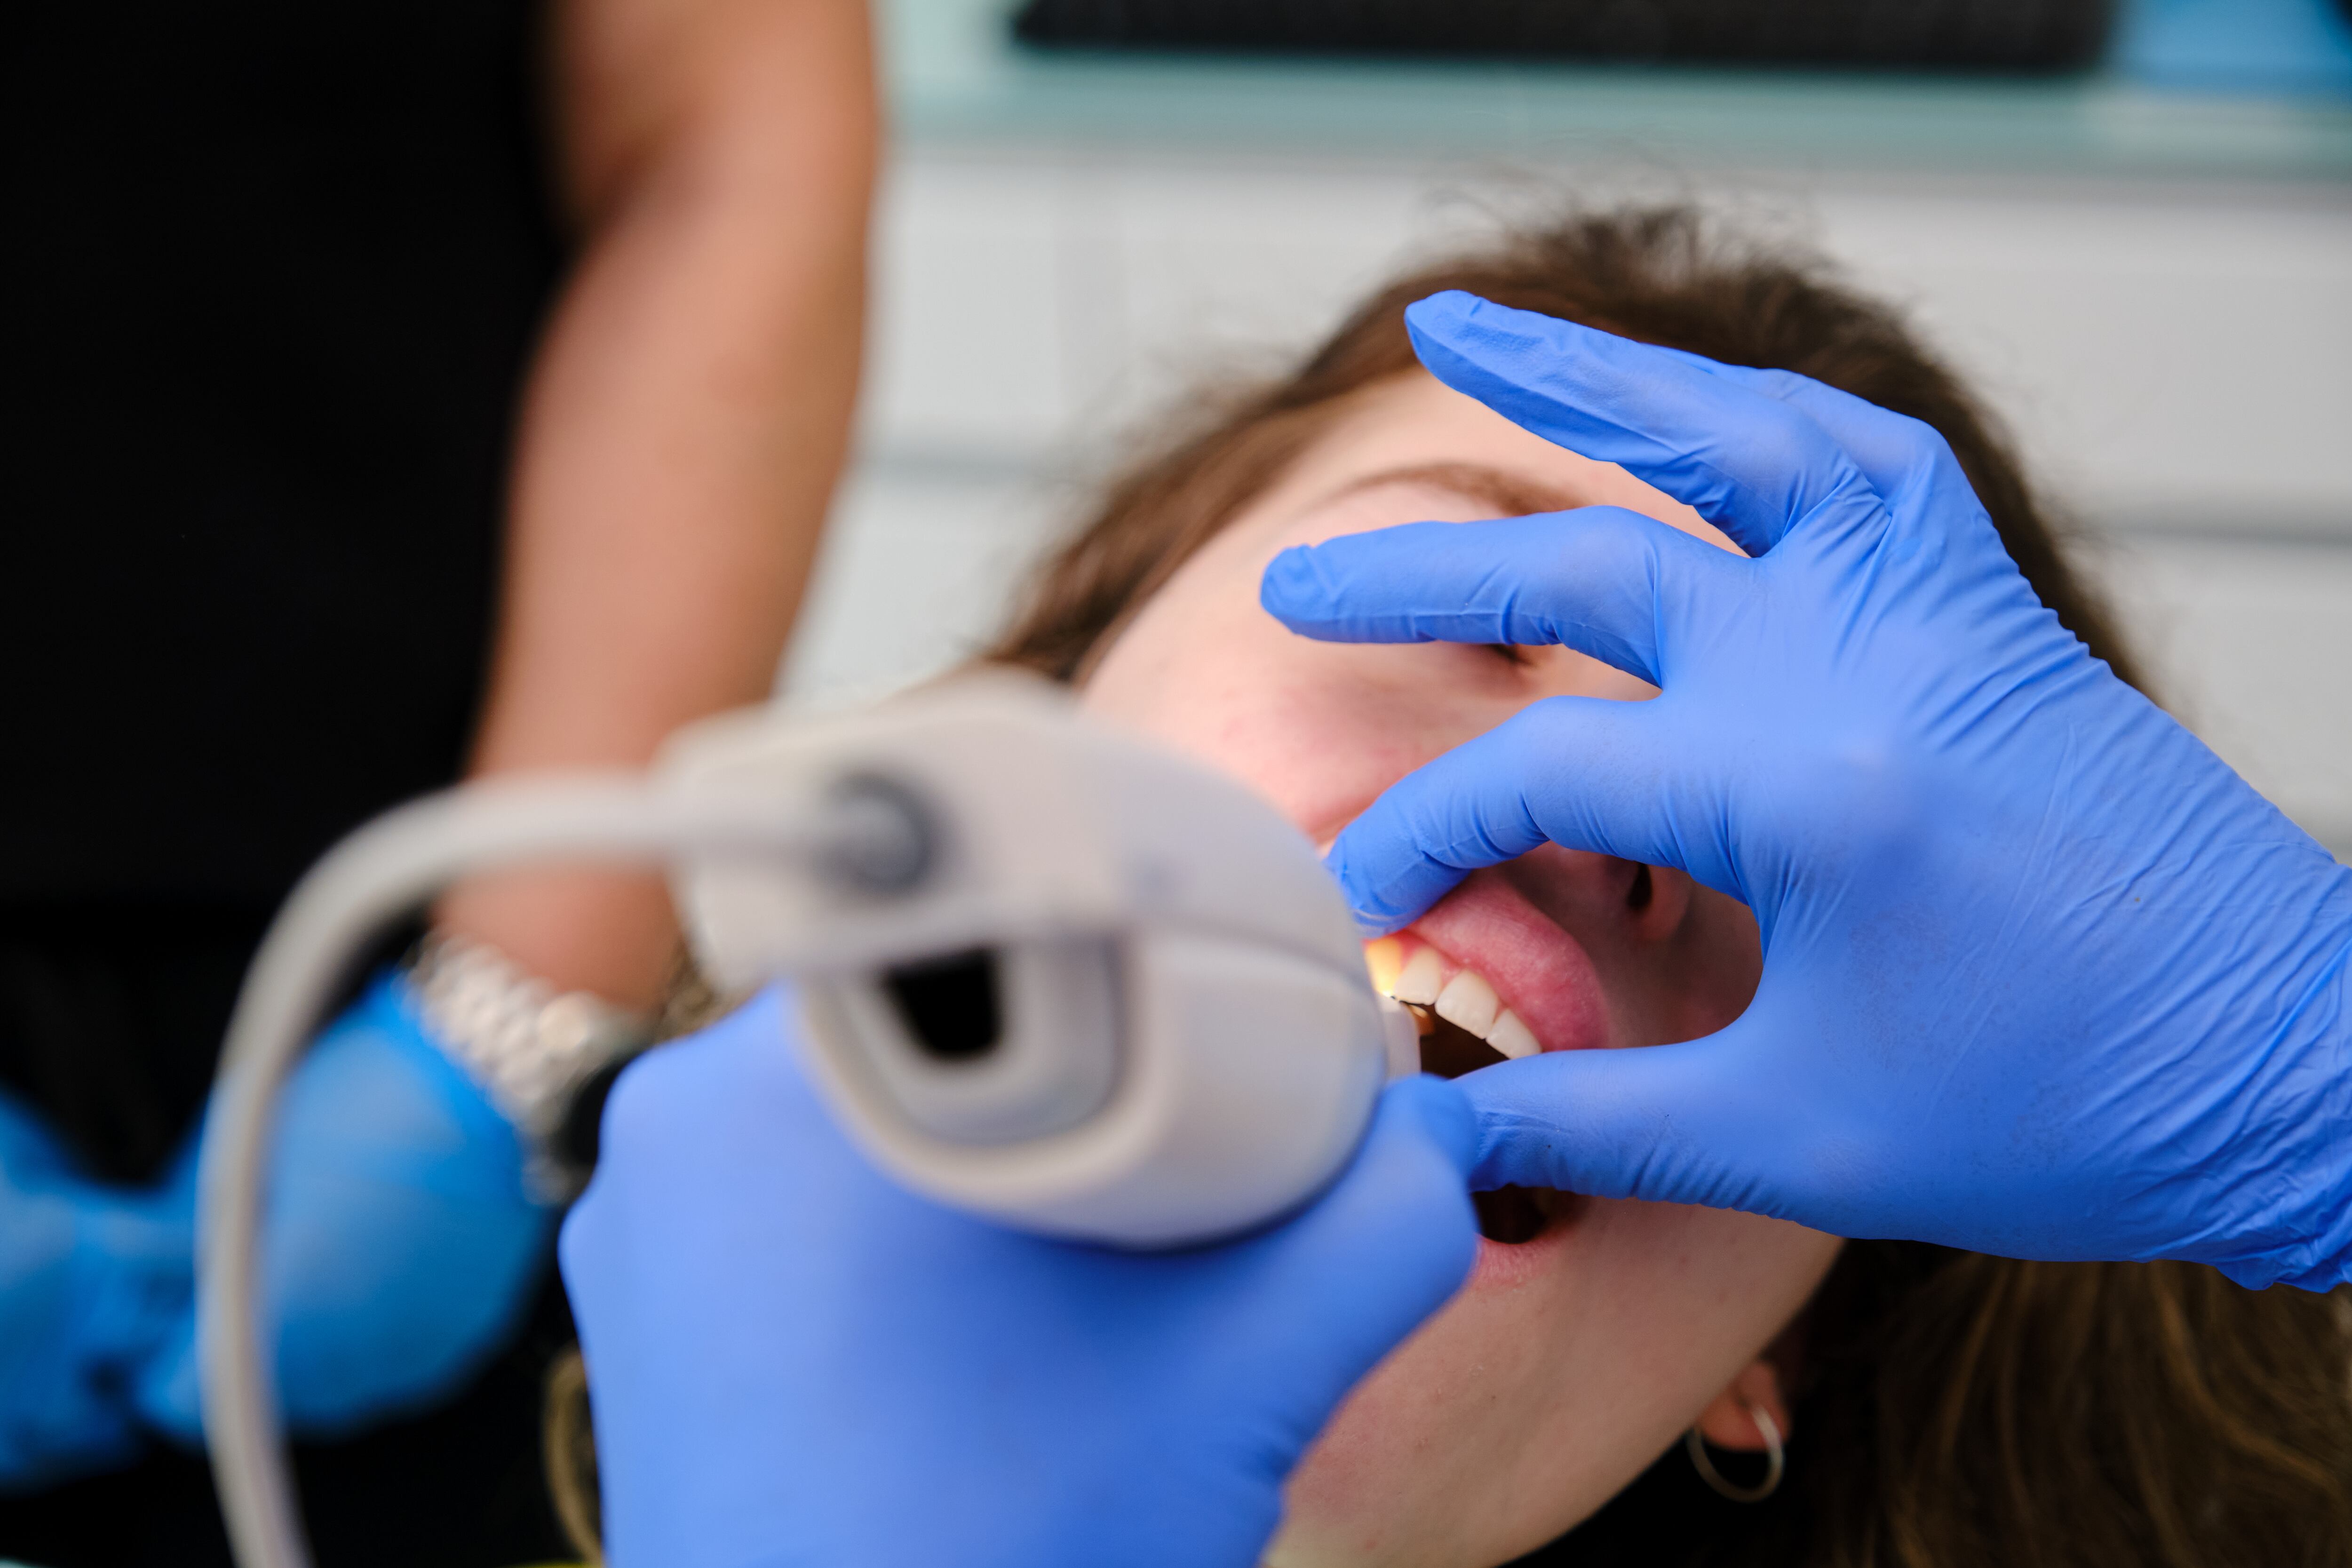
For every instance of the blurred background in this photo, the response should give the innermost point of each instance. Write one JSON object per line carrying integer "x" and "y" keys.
{"x": 2130, "y": 224}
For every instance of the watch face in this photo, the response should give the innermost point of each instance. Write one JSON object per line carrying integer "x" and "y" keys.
{"x": 531, "y": 1050}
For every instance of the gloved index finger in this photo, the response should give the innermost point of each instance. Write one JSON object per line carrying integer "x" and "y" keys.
{"x": 1890, "y": 449}
{"x": 1587, "y": 772}
{"x": 1749, "y": 463}
{"x": 1601, "y": 580}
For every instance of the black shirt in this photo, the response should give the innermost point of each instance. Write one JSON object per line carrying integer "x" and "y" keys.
{"x": 275, "y": 269}
{"x": 270, "y": 272}
{"x": 273, "y": 272}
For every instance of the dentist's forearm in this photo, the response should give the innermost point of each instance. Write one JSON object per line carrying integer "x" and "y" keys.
{"x": 684, "y": 423}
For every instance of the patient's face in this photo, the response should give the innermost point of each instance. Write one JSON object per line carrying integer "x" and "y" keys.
{"x": 1593, "y": 1332}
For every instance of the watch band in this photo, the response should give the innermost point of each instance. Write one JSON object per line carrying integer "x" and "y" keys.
{"x": 531, "y": 1047}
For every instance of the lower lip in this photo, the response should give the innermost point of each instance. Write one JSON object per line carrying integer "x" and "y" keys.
{"x": 1503, "y": 1265}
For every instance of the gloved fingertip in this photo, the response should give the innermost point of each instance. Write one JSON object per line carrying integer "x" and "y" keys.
{"x": 1292, "y": 589}
{"x": 1437, "y": 313}
{"x": 1377, "y": 913}
{"x": 1369, "y": 918}
{"x": 1443, "y": 1114}
{"x": 1457, "y": 331}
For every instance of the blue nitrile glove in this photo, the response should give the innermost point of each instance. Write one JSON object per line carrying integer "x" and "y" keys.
{"x": 2042, "y": 976}
{"x": 400, "y": 1243}
{"x": 92, "y": 1279}
{"x": 793, "y": 1360}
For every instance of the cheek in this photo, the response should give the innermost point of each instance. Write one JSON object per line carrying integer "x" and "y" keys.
{"x": 1322, "y": 752}
{"x": 1320, "y": 730}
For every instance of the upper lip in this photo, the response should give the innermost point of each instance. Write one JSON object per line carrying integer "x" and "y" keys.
{"x": 1538, "y": 970}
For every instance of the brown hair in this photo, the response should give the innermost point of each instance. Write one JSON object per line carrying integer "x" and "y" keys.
{"x": 1660, "y": 275}
{"x": 1954, "y": 1409}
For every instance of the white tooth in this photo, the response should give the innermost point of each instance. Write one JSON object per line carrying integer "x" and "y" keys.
{"x": 1418, "y": 980}
{"x": 1469, "y": 1002}
{"x": 1511, "y": 1037}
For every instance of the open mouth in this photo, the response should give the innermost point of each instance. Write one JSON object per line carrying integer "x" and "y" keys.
{"x": 1464, "y": 1027}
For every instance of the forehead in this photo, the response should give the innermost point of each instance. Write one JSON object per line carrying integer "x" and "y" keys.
{"x": 1411, "y": 432}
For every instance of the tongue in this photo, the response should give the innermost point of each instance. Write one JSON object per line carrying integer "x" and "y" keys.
{"x": 1538, "y": 970}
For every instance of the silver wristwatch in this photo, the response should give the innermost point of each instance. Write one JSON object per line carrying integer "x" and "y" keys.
{"x": 532, "y": 1048}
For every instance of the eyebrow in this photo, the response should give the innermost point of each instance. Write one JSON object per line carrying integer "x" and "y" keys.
{"x": 1511, "y": 495}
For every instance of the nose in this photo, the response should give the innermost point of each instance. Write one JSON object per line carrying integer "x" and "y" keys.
{"x": 1599, "y": 900}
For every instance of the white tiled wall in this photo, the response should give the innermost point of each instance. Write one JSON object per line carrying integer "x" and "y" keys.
{"x": 2251, "y": 642}
{"x": 2172, "y": 357}
{"x": 918, "y": 568}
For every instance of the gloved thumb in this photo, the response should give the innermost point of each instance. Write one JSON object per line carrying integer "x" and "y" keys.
{"x": 1408, "y": 1186}
{"x": 1389, "y": 1244}
{"x": 1670, "y": 1123}
{"x": 1433, "y": 1116}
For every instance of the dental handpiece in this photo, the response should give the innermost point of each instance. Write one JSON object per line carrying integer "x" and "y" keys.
{"x": 1048, "y": 974}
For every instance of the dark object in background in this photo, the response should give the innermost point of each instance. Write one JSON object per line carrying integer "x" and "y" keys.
{"x": 1940, "y": 34}
{"x": 272, "y": 275}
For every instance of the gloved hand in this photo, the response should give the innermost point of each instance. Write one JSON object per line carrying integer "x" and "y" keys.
{"x": 91, "y": 1280}
{"x": 2042, "y": 976}
{"x": 400, "y": 1243}
{"x": 794, "y": 1359}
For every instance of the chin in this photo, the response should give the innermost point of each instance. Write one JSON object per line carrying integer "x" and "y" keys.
{"x": 1463, "y": 1449}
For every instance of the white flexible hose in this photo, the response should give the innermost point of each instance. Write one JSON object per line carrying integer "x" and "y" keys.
{"x": 379, "y": 874}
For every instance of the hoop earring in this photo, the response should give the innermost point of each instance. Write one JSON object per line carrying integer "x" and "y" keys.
{"x": 1776, "y": 1460}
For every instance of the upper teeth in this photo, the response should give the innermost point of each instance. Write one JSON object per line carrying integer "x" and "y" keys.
{"x": 1420, "y": 980}
{"x": 1467, "y": 1001}
{"x": 1512, "y": 1038}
